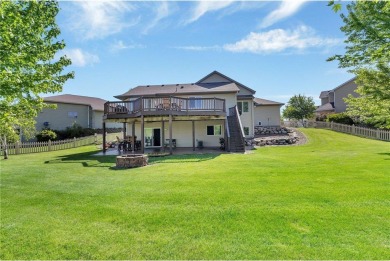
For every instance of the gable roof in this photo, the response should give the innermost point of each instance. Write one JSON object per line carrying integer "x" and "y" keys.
{"x": 172, "y": 89}
{"x": 227, "y": 78}
{"x": 97, "y": 104}
{"x": 343, "y": 84}
{"x": 325, "y": 94}
{"x": 260, "y": 101}
{"x": 326, "y": 107}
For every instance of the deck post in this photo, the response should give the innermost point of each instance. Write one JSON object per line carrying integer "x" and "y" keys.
{"x": 133, "y": 136}
{"x": 170, "y": 134}
{"x": 193, "y": 135}
{"x": 124, "y": 130}
{"x": 162, "y": 133}
{"x": 104, "y": 137}
{"x": 142, "y": 134}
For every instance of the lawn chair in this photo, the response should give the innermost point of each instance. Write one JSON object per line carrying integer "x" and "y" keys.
{"x": 166, "y": 104}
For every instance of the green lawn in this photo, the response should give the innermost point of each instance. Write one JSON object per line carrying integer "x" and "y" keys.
{"x": 328, "y": 199}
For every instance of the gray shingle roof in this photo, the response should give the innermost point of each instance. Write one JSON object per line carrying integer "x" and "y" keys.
{"x": 260, "y": 101}
{"x": 172, "y": 89}
{"x": 324, "y": 94}
{"x": 326, "y": 107}
{"x": 97, "y": 104}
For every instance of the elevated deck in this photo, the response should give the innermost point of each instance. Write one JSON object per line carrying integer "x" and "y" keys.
{"x": 161, "y": 106}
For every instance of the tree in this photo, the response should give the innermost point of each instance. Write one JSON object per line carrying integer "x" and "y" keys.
{"x": 299, "y": 107}
{"x": 373, "y": 105}
{"x": 28, "y": 66}
{"x": 367, "y": 55}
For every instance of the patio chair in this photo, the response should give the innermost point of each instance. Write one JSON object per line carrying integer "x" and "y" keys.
{"x": 166, "y": 104}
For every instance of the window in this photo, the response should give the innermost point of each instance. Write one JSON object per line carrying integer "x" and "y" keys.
{"x": 72, "y": 114}
{"x": 214, "y": 130}
{"x": 242, "y": 107}
{"x": 195, "y": 103}
{"x": 259, "y": 123}
{"x": 246, "y": 130}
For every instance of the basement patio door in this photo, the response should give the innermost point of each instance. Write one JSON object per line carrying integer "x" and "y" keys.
{"x": 152, "y": 137}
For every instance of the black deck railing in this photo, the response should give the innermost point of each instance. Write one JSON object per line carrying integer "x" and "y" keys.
{"x": 161, "y": 104}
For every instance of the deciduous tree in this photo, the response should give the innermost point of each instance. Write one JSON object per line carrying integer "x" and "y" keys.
{"x": 28, "y": 66}
{"x": 367, "y": 55}
{"x": 299, "y": 107}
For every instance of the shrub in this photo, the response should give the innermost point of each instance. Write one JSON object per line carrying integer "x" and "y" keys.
{"x": 342, "y": 118}
{"x": 46, "y": 135}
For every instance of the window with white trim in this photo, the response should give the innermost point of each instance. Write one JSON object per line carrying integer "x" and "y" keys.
{"x": 214, "y": 130}
{"x": 243, "y": 106}
{"x": 72, "y": 114}
{"x": 246, "y": 130}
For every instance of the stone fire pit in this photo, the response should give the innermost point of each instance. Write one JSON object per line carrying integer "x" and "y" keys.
{"x": 131, "y": 161}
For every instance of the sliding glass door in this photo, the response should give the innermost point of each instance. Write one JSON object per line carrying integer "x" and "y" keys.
{"x": 152, "y": 137}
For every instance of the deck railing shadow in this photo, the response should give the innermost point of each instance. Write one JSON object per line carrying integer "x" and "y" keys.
{"x": 89, "y": 159}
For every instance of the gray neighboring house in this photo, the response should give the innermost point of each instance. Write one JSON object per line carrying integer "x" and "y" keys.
{"x": 83, "y": 110}
{"x": 332, "y": 101}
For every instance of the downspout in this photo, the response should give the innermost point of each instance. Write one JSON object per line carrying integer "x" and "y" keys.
{"x": 88, "y": 126}
{"x": 253, "y": 118}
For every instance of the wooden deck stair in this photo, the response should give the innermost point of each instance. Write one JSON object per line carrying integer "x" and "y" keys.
{"x": 237, "y": 141}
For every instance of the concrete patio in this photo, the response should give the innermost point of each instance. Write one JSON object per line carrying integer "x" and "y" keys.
{"x": 176, "y": 151}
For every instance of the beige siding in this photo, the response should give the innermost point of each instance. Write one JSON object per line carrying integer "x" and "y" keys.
{"x": 182, "y": 132}
{"x": 247, "y": 117}
{"x": 97, "y": 121}
{"x": 244, "y": 91}
{"x": 343, "y": 92}
{"x": 268, "y": 115}
{"x": 59, "y": 119}
{"x": 215, "y": 78}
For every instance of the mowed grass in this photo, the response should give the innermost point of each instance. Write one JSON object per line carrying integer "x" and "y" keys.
{"x": 328, "y": 199}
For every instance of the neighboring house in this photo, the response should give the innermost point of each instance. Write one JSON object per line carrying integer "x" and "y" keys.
{"x": 83, "y": 110}
{"x": 193, "y": 114}
{"x": 333, "y": 101}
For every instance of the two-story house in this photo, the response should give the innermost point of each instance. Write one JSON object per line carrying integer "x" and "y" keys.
{"x": 83, "y": 110}
{"x": 332, "y": 101}
{"x": 193, "y": 115}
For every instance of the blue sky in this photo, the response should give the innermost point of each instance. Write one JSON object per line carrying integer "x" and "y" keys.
{"x": 277, "y": 48}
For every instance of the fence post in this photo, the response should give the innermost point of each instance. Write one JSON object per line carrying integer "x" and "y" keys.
{"x": 74, "y": 142}
{"x": 353, "y": 128}
{"x": 95, "y": 140}
{"x": 331, "y": 125}
{"x": 49, "y": 145}
{"x": 378, "y": 134}
{"x": 17, "y": 148}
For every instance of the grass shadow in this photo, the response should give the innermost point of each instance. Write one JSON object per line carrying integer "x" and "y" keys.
{"x": 89, "y": 159}
{"x": 186, "y": 158}
{"x": 385, "y": 154}
{"x": 86, "y": 159}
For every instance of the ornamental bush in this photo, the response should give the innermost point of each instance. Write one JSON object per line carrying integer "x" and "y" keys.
{"x": 342, "y": 118}
{"x": 46, "y": 135}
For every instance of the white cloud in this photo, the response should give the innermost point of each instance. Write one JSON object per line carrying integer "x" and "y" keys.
{"x": 202, "y": 7}
{"x": 285, "y": 9}
{"x": 279, "y": 40}
{"x": 98, "y": 19}
{"x": 120, "y": 45}
{"x": 162, "y": 11}
{"x": 80, "y": 58}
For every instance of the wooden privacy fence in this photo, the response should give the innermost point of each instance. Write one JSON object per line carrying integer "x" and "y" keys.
{"x": 377, "y": 134}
